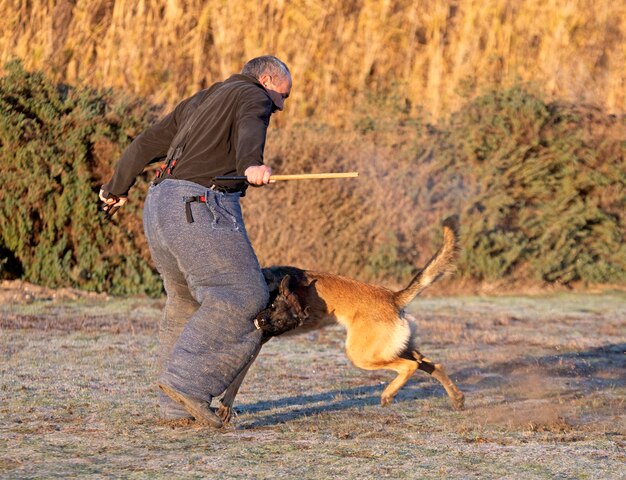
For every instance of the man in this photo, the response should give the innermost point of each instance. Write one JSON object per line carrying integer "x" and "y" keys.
{"x": 196, "y": 234}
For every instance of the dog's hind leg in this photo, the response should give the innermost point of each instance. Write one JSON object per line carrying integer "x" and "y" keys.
{"x": 438, "y": 372}
{"x": 404, "y": 368}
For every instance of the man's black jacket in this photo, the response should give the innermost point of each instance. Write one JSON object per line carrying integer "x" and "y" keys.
{"x": 226, "y": 137}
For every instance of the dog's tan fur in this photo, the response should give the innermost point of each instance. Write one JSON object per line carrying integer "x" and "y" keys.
{"x": 380, "y": 335}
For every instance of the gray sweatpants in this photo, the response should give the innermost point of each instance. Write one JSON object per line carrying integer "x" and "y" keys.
{"x": 214, "y": 289}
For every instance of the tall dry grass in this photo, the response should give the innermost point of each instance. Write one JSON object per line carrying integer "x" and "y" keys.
{"x": 432, "y": 52}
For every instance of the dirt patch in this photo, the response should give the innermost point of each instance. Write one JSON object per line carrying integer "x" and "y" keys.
{"x": 84, "y": 323}
{"x": 20, "y": 292}
{"x": 27, "y": 306}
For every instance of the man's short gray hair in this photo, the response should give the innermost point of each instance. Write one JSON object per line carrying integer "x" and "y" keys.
{"x": 266, "y": 64}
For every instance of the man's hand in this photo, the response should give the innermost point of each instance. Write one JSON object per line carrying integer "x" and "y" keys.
{"x": 259, "y": 175}
{"x": 111, "y": 202}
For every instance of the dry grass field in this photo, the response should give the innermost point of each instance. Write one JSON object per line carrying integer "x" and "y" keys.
{"x": 544, "y": 378}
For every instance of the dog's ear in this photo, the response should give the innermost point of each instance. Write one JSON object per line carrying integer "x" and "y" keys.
{"x": 284, "y": 285}
{"x": 271, "y": 279}
{"x": 268, "y": 275}
{"x": 291, "y": 299}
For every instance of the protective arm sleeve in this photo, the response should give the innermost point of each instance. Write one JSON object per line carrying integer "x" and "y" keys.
{"x": 253, "y": 118}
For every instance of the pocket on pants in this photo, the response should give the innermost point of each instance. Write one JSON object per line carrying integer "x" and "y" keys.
{"x": 224, "y": 218}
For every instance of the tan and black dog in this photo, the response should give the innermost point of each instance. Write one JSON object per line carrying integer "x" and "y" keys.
{"x": 379, "y": 333}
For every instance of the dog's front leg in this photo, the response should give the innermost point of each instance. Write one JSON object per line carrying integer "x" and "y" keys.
{"x": 225, "y": 410}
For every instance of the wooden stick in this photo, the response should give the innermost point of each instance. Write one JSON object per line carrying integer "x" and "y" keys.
{"x": 312, "y": 176}
{"x": 301, "y": 176}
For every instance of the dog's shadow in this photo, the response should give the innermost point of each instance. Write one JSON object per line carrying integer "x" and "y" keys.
{"x": 582, "y": 366}
{"x": 295, "y": 407}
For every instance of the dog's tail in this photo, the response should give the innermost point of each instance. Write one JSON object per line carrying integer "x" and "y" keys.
{"x": 442, "y": 263}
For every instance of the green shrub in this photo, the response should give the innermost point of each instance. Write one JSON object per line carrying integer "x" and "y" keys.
{"x": 540, "y": 188}
{"x": 57, "y": 146}
{"x": 547, "y": 185}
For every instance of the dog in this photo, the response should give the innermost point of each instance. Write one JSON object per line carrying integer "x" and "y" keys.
{"x": 380, "y": 335}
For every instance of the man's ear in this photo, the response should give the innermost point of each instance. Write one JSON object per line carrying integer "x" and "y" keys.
{"x": 265, "y": 79}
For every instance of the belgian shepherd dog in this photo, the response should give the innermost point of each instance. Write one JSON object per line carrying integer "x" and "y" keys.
{"x": 380, "y": 335}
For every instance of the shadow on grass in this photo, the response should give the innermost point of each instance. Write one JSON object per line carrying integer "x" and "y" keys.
{"x": 332, "y": 401}
{"x": 585, "y": 365}
{"x": 582, "y": 366}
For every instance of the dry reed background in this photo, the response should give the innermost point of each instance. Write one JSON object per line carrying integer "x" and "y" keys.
{"x": 433, "y": 53}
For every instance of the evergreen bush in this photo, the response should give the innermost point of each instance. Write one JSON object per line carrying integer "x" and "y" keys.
{"x": 57, "y": 146}
{"x": 540, "y": 188}
{"x": 548, "y": 188}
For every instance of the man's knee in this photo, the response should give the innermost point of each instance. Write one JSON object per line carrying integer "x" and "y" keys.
{"x": 178, "y": 291}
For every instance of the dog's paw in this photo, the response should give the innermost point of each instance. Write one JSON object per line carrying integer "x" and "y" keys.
{"x": 385, "y": 400}
{"x": 225, "y": 413}
{"x": 458, "y": 402}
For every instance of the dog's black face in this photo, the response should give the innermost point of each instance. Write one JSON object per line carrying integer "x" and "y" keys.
{"x": 284, "y": 313}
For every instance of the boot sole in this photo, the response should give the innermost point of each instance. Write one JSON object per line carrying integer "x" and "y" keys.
{"x": 201, "y": 413}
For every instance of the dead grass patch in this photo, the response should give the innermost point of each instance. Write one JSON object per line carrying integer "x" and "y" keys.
{"x": 81, "y": 401}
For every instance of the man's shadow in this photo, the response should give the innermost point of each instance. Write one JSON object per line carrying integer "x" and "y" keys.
{"x": 584, "y": 366}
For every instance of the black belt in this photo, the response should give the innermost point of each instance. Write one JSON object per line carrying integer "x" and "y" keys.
{"x": 223, "y": 189}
